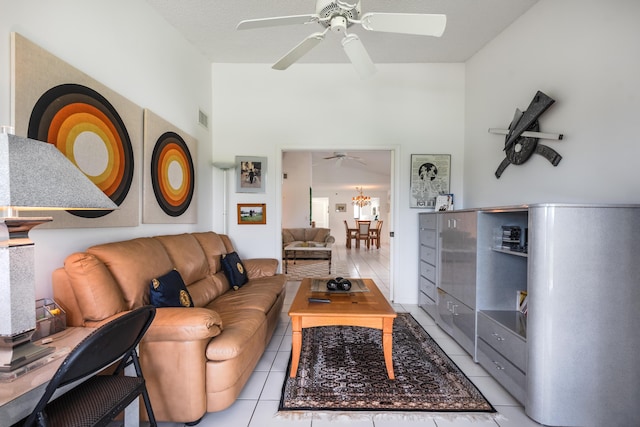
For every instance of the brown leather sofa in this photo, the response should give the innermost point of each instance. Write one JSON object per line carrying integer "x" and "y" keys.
{"x": 195, "y": 360}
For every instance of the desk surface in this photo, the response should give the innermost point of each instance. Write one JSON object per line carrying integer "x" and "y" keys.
{"x": 19, "y": 397}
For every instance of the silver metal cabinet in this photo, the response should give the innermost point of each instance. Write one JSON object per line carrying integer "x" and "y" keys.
{"x": 502, "y": 329}
{"x": 457, "y": 286}
{"x": 574, "y": 360}
{"x": 502, "y": 349}
{"x": 582, "y": 329}
{"x": 428, "y": 235}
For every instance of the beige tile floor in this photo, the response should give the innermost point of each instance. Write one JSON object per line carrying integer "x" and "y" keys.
{"x": 258, "y": 403}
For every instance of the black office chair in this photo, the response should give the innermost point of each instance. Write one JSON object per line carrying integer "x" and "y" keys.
{"x": 99, "y": 399}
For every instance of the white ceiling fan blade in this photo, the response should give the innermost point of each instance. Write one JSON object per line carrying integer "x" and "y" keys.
{"x": 405, "y": 23}
{"x": 359, "y": 160}
{"x": 249, "y": 24}
{"x": 358, "y": 55}
{"x": 299, "y": 51}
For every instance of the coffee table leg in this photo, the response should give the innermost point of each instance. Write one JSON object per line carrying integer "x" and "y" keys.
{"x": 387, "y": 345}
{"x": 296, "y": 345}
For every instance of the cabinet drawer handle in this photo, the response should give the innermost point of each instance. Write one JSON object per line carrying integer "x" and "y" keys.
{"x": 498, "y": 366}
{"x": 497, "y": 337}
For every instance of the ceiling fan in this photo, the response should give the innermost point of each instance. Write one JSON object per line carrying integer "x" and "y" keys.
{"x": 341, "y": 156}
{"x": 337, "y": 16}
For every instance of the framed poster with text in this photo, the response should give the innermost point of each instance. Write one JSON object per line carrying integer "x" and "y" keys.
{"x": 430, "y": 176}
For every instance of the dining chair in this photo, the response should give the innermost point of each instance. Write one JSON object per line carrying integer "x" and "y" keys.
{"x": 99, "y": 398}
{"x": 374, "y": 234}
{"x": 352, "y": 234}
{"x": 363, "y": 233}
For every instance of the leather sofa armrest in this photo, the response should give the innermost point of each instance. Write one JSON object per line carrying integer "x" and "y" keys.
{"x": 260, "y": 267}
{"x": 184, "y": 324}
{"x": 177, "y": 324}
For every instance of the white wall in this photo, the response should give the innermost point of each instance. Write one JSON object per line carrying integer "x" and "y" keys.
{"x": 586, "y": 55}
{"x": 125, "y": 45}
{"x": 336, "y": 219}
{"x": 295, "y": 189}
{"x": 416, "y": 108}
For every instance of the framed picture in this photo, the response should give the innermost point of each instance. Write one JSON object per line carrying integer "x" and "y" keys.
{"x": 341, "y": 207}
{"x": 430, "y": 175}
{"x": 444, "y": 202}
{"x": 252, "y": 213}
{"x": 250, "y": 174}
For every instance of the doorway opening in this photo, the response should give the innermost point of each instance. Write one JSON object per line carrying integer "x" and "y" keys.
{"x": 320, "y": 212}
{"x": 319, "y": 186}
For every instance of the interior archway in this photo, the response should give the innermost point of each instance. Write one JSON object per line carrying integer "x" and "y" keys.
{"x": 335, "y": 175}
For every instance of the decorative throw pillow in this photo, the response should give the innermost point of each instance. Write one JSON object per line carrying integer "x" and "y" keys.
{"x": 234, "y": 270}
{"x": 170, "y": 291}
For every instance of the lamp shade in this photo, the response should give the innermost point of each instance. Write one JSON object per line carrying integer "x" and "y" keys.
{"x": 35, "y": 175}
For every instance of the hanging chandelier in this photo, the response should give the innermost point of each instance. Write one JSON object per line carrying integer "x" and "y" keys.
{"x": 360, "y": 200}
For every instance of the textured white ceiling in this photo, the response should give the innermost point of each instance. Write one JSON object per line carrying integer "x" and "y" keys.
{"x": 211, "y": 26}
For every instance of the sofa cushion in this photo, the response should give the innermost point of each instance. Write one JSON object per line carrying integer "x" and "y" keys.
{"x": 239, "y": 333}
{"x": 95, "y": 289}
{"x": 169, "y": 290}
{"x": 212, "y": 246}
{"x": 287, "y": 235}
{"x": 186, "y": 255}
{"x": 234, "y": 270}
{"x": 321, "y": 235}
{"x": 203, "y": 291}
{"x": 258, "y": 294}
{"x": 133, "y": 263}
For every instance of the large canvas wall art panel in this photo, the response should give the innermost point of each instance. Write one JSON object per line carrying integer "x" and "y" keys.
{"x": 97, "y": 129}
{"x": 169, "y": 182}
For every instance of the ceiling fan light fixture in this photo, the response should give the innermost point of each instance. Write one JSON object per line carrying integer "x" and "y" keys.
{"x": 338, "y": 24}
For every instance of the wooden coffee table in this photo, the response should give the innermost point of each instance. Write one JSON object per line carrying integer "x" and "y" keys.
{"x": 368, "y": 309}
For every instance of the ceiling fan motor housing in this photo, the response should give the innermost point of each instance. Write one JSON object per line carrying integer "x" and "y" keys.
{"x": 328, "y": 9}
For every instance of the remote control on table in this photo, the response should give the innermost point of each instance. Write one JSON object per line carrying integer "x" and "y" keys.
{"x": 325, "y": 300}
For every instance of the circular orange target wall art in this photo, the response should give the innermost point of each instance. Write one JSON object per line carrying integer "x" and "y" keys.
{"x": 172, "y": 174}
{"x": 88, "y": 130}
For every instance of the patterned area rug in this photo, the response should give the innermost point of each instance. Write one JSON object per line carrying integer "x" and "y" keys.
{"x": 342, "y": 369}
{"x": 316, "y": 268}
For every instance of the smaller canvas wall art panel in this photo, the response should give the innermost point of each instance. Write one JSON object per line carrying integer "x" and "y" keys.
{"x": 169, "y": 185}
